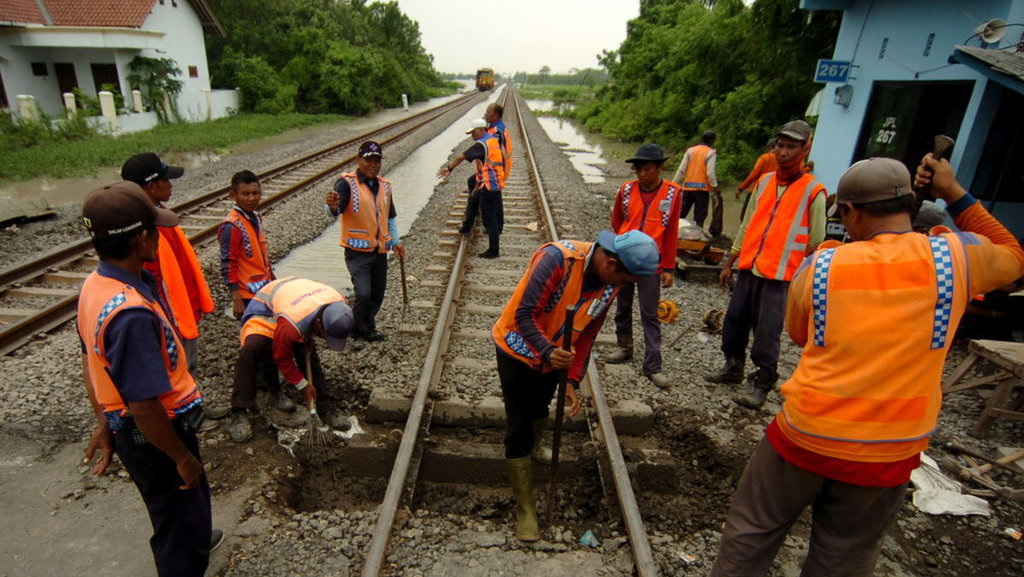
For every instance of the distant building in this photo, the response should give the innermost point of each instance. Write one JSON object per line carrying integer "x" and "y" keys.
{"x": 49, "y": 47}
{"x": 925, "y": 68}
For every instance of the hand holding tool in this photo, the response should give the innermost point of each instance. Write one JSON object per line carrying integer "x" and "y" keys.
{"x": 940, "y": 149}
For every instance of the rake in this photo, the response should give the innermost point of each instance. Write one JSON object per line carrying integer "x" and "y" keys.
{"x": 318, "y": 437}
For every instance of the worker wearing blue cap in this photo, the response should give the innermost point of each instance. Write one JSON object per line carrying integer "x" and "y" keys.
{"x": 562, "y": 273}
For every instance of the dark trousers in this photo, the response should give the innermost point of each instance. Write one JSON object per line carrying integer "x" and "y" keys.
{"x": 527, "y": 394}
{"x": 182, "y": 521}
{"x": 847, "y": 521}
{"x": 255, "y": 355}
{"x": 759, "y": 304}
{"x": 698, "y": 199}
{"x": 369, "y": 272}
{"x": 486, "y": 203}
{"x": 648, "y": 289}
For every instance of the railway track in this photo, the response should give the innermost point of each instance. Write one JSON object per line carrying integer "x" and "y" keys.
{"x": 40, "y": 295}
{"x": 460, "y": 296}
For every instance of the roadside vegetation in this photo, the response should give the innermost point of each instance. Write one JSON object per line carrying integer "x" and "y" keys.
{"x": 69, "y": 149}
{"x": 687, "y": 66}
{"x": 320, "y": 56}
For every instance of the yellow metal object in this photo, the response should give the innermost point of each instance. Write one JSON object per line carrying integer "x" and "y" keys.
{"x": 668, "y": 312}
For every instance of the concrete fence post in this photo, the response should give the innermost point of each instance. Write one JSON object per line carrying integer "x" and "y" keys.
{"x": 27, "y": 108}
{"x": 168, "y": 112}
{"x": 108, "y": 109}
{"x": 405, "y": 102}
{"x": 137, "y": 100}
{"x": 70, "y": 108}
{"x": 208, "y": 96}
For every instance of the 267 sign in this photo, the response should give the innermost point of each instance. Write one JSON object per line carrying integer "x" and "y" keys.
{"x": 832, "y": 71}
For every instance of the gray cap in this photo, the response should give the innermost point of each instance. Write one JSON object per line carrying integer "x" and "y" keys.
{"x": 873, "y": 180}
{"x": 337, "y": 321}
{"x": 797, "y": 130}
{"x": 634, "y": 249}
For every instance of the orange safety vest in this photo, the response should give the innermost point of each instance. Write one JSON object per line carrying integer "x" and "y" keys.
{"x": 490, "y": 172}
{"x": 875, "y": 398}
{"x": 696, "y": 177}
{"x": 652, "y": 217}
{"x": 551, "y": 320}
{"x": 296, "y": 300}
{"x": 254, "y": 263}
{"x": 101, "y": 300}
{"x": 506, "y": 147}
{"x": 776, "y": 238}
{"x": 184, "y": 285}
{"x": 364, "y": 223}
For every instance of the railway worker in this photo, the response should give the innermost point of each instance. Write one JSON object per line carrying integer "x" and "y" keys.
{"x": 280, "y": 322}
{"x": 786, "y": 223}
{"x": 876, "y": 318}
{"x": 361, "y": 199}
{"x": 496, "y": 125}
{"x": 485, "y": 198}
{"x": 651, "y": 204}
{"x": 697, "y": 175}
{"x": 528, "y": 338}
{"x": 179, "y": 276}
{"x": 765, "y": 163}
{"x": 147, "y": 405}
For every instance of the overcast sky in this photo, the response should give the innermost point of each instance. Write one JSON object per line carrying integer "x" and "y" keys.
{"x": 515, "y": 35}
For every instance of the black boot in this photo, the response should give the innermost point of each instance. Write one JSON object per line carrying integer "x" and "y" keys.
{"x": 492, "y": 247}
{"x": 759, "y": 384}
{"x": 730, "y": 373}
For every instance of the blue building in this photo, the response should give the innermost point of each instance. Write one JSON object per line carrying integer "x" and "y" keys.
{"x": 918, "y": 69}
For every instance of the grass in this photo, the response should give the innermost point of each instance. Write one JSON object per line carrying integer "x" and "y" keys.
{"x": 83, "y": 158}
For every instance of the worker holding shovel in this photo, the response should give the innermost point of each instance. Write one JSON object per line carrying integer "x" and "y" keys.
{"x": 562, "y": 274}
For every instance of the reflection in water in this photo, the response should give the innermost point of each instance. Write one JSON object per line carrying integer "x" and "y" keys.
{"x": 585, "y": 157}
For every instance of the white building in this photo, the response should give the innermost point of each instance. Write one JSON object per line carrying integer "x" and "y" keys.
{"x": 49, "y": 47}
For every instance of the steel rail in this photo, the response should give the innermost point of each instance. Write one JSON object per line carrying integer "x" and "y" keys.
{"x": 16, "y": 334}
{"x": 643, "y": 556}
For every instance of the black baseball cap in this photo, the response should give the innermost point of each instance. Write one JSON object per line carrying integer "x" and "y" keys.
{"x": 370, "y": 148}
{"x": 144, "y": 168}
{"x": 122, "y": 209}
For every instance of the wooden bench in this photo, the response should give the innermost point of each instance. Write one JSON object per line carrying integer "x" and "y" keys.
{"x": 1009, "y": 357}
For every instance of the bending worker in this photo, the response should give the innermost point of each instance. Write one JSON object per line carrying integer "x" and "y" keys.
{"x": 528, "y": 337}
{"x": 282, "y": 320}
{"x": 875, "y": 318}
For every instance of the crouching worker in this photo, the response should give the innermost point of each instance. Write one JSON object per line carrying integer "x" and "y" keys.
{"x": 281, "y": 320}
{"x": 529, "y": 332}
{"x": 147, "y": 405}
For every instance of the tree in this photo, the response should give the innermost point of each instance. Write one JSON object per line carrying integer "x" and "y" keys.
{"x": 155, "y": 78}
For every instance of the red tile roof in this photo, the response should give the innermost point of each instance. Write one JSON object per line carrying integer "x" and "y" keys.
{"x": 115, "y": 13}
{"x": 22, "y": 11}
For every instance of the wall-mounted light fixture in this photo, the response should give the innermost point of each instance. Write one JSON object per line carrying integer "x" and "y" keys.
{"x": 844, "y": 94}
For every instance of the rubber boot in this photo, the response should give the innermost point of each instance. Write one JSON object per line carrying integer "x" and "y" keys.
{"x": 759, "y": 384}
{"x": 520, "y": 476}
{"x": 541, "y": 452}
{"x": 492, "y": 247}
{"x": 730, "y": 373}
{"x": 623, "y": 353}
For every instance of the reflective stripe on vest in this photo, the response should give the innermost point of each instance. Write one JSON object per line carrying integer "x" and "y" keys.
{"x": 253, "y": 266}
{"x": 364, "y": 223}
{"x": 637, "y": 214}
{"x": 777, "y": 235}
{"x": 506, "y": 331}
{"x": 101, "y": 300}
{"x": 500, "y": 131}
{"x": 696, "y": 177}
{"x": 490, "y": 171}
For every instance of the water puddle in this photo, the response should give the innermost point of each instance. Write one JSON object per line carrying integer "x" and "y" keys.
{"x": 414, "y": 180}
{"x": 586, "y": 157}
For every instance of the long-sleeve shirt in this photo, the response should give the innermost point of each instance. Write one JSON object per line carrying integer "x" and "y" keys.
{"x": 711, "y": 161}
{"x": 815, "y": 232}
{"x": 667, "y": 234}
{"x": 765, "y": 163}
{"x": 231, "y": 245}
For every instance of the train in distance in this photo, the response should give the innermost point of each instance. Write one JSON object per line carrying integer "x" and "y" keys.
{"x": 484, "y": 79}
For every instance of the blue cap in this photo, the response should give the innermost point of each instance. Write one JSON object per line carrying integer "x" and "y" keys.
{"x": 337, "y": 321}
{"x": 634, "y": 249}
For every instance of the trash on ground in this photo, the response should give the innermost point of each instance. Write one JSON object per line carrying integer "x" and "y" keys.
{"x": 589, "y": 539}
{"x": 937, "y": 494}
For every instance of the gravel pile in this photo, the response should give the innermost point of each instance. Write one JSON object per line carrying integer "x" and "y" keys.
{"x": 288, "y": 529}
